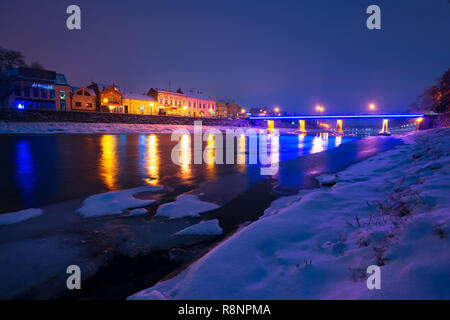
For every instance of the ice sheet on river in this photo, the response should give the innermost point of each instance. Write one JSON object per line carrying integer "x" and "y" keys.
{"x": 185, "y": 206}
{"x": 115, "y": 202}
{"x": 208, "y": 228}
{"x": 19, "y": 216}
{"x": 391, "y": 210}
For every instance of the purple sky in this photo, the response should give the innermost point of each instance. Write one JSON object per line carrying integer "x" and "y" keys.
{"x": 293, "y": 54}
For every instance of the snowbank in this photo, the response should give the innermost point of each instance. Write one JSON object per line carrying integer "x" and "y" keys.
{"x": 19, "y": 216}
{"x": 107, "y": 128}
{"x": 185, "y": 206}
{"x": 208, "y": 228}
{"x": 391, "y": 210}
{"x": 138, "y": 212}
{"x": 116, "y": 202}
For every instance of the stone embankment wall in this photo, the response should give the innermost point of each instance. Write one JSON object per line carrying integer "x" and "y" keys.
{"x": 15, "y": 115}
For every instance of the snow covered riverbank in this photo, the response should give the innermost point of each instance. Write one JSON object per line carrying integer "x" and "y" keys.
{"x": 391, "y": 210}
{"x": 85, "y": 128}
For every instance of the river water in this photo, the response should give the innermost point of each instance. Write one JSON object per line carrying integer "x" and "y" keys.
{"x": 39, "y": 170}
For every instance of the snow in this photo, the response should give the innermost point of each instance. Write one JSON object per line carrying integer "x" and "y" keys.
{"x": 138, "y": 212}
{"x": 391, "y": 210}
{"x": 74, "y": 127}
{"x": 19, "y": 216}
{"x": 106, "y": 128}
{"x": 209, "y": 228}
{"x": 185, "y": 206}
{"x": 113, "y": 203}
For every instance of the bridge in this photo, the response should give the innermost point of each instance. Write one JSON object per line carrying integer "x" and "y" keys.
{"x": 302, "y": 127}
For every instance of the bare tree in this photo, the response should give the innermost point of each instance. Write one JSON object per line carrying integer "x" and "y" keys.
{"x": 11, "y": 58}
{"x": 8, "y": 60}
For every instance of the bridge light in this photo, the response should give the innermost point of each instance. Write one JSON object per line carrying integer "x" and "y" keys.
{"x": 277, "y": 109}
{"x": 242, "y": 110}
{"x": 419, "y": 120}
{"x": 372, "y": 106}
{"x": 320, "y": 108}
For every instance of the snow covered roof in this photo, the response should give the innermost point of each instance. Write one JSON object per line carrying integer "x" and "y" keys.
{"x": 198, "y": 95}
{"x": 73, "y": 89}
{"x": 137, "y": 96}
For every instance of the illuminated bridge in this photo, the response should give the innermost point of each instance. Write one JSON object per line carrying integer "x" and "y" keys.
{"x": 339, "y": 118}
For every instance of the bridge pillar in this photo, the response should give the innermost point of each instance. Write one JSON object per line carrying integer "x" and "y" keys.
{"x": 301, "y": 126}
{"x": 270, "y": 125}
{"x": 385, "y": 129}
{"x": 339, "y": 127}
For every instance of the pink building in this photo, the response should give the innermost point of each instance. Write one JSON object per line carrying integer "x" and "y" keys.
{"x": 199, "y": 105}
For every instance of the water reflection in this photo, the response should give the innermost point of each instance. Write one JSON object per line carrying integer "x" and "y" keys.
{"x": 210, "y": 150}
{"x": 241, "y": 148}
{"x": 210, "y": 156}
{"x": 152, "y": 159}
{"x": 320, "y": 142}
{"x": 185, "y": 155}
{"x": 25, "y": 168}
{"x": 109, "y": 162}
{"x": 274, "y": 148}
{"x": 337, "y": 141}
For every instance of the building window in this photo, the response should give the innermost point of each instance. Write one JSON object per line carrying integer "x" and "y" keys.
{"x": 44, "y": 93}
{"x": 87, "y": 94}
{"x": 89, "y": 105}
{"x": 35, "y": 92}
{"x": 78, "y": 104}
{"x": 26, "y": 91}
{"x": 80, "y": 93}
{"x": 62, "y": 95}
{"x": 52, "y": 94}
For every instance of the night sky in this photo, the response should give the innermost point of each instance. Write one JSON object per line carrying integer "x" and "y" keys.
{"x": 293, "y": 54}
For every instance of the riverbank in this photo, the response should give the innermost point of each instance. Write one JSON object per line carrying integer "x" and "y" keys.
{"x": 391, "y": 210}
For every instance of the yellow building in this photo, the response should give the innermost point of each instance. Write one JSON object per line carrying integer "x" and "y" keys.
{"x": 169, "y": 102}
{"x": 139, "y": 104}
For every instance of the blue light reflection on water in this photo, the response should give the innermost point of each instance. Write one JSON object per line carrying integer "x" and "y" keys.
{"x": 25, "y": 171}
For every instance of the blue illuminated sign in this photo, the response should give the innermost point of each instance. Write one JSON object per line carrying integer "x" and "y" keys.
{"x": 42, "y": 86}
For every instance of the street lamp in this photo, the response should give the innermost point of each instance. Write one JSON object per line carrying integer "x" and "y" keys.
{"x": 242, "y": 110}
{"x": 372, "y": 106}
{"x": 277, "y": 109}
{"x": 320, "y": 108}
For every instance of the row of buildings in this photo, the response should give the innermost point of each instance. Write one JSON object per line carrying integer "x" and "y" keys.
{"x": 28, "y": 88}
